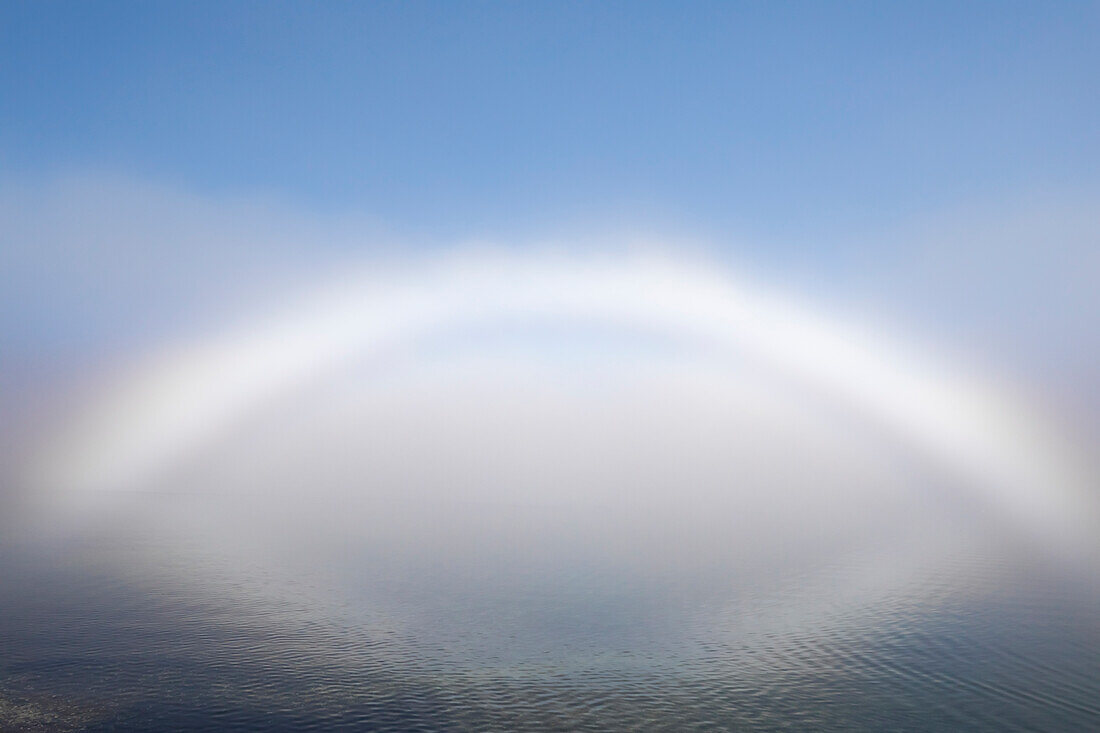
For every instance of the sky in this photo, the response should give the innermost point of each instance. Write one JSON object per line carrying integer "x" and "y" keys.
{"x": 777, "y": 119}
{"x": 243, "y": 236}
{"x": 937, "y": 162}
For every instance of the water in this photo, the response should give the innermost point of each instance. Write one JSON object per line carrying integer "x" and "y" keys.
{"x": 183, "y": 611}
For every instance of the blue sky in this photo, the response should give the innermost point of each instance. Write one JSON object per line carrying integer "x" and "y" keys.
{"x": 461, "y": 118}
{"x": 935, "y": 163}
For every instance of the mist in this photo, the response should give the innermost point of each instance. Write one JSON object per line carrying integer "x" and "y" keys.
{"x": 569, "y": 437}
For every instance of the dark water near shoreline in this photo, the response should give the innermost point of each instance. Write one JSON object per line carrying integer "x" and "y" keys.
{"x": 534, "y": 618}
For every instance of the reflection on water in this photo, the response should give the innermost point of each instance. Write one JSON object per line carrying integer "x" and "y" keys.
{"x": 512, "y": 616}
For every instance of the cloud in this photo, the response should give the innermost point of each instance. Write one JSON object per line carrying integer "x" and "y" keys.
{"x": 92, "y": 260}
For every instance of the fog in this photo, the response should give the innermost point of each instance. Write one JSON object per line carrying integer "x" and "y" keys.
{"x": 388, "y": 473}
{"x": 629, "y": 382}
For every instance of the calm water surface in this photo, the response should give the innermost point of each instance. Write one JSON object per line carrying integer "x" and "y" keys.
{"x": 200, "y": 613}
